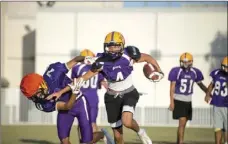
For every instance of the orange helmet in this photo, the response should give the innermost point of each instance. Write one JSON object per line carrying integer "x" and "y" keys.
{"x": 186, "y": 60}
{"x": 224, "y": 64}
{"x": 31, "y": 83}
{"x": 87, "y": 52}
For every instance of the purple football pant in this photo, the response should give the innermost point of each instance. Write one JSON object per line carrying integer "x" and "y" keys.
{"x": 65, "y": 120}
{"x": 92, "y": 99}
{"x": 93, "y": 114}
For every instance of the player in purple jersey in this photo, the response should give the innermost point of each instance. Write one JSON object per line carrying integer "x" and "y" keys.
{"x": 36, "y": 88}
{"x": 181, "y": 80}
{"x": 89, "y": 90}
{"x": 219, "y": 100}
{"x": 116, "y": 65}
{"x": 90, "y": 87}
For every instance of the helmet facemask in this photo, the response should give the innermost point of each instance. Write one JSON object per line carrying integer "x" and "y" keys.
{"x": 224, "y": 64}
{"x": 224, "y": 68}
{"x": 186, "y": 64}
{"x": 114, "y": 45}
{"x": 39, "y": 95}
{"x": 113, "y": 49}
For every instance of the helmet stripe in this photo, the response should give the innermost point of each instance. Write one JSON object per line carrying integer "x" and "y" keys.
{"x": 112, "y": 36}
{"x": 87, "y": 52}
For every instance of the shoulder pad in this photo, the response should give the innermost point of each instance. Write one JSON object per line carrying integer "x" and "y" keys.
{"x": 214, "y": 72}
{"x": 133, "y": 52}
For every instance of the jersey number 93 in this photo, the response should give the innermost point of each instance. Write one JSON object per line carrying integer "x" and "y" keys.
{"x": 220, "y": 89}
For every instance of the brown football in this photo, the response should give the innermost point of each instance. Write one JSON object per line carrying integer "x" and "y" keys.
{"x": 148, "y": 70}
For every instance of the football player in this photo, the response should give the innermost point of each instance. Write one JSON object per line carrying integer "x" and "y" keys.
{"x": 116, "y": 65}
{"x": 182, "y": 79}
{"x": 89, "y": 89}
{"x": 219, "y": 100}
{"x": 36, "y": 88}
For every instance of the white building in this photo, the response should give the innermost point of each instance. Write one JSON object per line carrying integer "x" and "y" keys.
{"x": 32, "y": 40}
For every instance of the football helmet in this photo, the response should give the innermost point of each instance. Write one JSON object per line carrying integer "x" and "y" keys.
{"x": 224, "y": 64}
{"x": 186, "y": 60}
{"x": 114, "y": 44}
{"x": 89, "y": 56}
{"x": 34, "y": 87}
{"x": 87, "y": 52}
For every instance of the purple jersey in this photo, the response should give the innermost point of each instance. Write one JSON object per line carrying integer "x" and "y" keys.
{"x": 220, "y": 94}
{"x": 56, "y": 79}
{"x": 89, "y": 89}
{"x": 185, "y": 79}
{"x": 115, "y": 70}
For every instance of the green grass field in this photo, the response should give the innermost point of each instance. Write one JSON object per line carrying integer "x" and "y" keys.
{"x": 41, "y": 134}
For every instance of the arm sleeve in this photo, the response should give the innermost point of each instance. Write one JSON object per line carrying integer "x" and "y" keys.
{"x": 199, "y": 76}
{"x": 172, "y": 75}
{"x": 74, "y": 72}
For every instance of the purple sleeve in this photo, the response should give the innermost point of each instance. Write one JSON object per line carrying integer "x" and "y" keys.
{"x": 60, "y": 67}
{"x": 173, "y": 75}
{"x": 60, "y": 73}
{"x": 199, "y": 75}
{"x": 213, "y": 74}
{"x": 55, "y": 71}
{"x": 74, "y": 72}
{"x": 100, "y": 77}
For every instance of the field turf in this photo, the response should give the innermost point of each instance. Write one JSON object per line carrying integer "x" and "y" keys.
{"x": 46, "y": 134}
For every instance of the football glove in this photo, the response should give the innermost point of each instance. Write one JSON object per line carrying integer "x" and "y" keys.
{"x": 160, "y": 76}
{"x": 89, "y": 60}
{"x": 77, "y": 84}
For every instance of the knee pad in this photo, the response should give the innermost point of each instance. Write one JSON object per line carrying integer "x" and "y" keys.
{"x": 117, "y": 127}
{"x": 117, "y": 124}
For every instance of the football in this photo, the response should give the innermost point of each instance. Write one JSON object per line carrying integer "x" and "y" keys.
{"x": 148, "y": 70}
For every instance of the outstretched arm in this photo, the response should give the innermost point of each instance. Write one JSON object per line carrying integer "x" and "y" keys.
{"x": 149, "y": 59}
{"x": 89, "y": 74}
{"x": 70, "y": 64}
{"x": 138, "y": 57}
{"x": 80, "y": 80}
{"x": 75, "y": 94}
{"x": 202, "y": 86}
{"x": 79, "y": 83}
{"x": 74, "y": 61}
{"x": 208, "y": 93}
{"x": 58, "y": 94}
{"x": 95, "y": 69}
{"x": 66, "y": 105}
